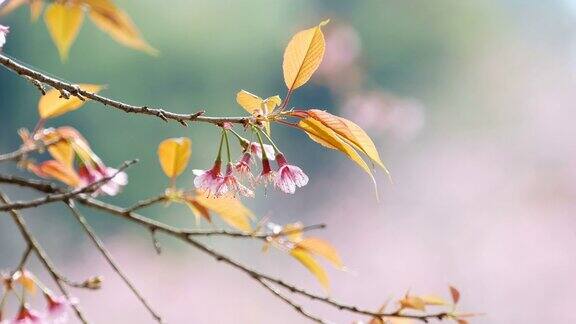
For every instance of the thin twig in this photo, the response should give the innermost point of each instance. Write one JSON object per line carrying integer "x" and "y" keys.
{"x": 187, "y": 236}
{"x": 64, "y": 196}
{"x": 74, "y": 90}
{"x": 297, "y": 308}
{"x": 108, "y": 256}
{"x": 31, "y": 241}
{"x": 37, "y": 146}
{"x": 146, "y": 203}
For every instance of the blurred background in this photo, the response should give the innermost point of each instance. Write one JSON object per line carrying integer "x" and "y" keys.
{"x": 471, "y": 104}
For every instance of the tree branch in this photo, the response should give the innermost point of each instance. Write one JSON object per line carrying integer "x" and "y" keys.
{"x": 108, "y": 256}
{"x": 65, "y": 196}
{"x": 76, "y": 91}
{"x": 31, "y": 241}
{"x": 187, "y": 236}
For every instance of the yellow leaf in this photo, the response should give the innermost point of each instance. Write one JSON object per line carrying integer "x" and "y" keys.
{"x": 330, "y": 139}
{"x": 174, "y": 154}
{"x": 350, "y": 131}
{"x": 322, "y": 248}
{"x": 36, "y": 7}
{"x": 63, "y": 22}
{"x": 230, "y": 209}
{"x": 433, "y": 300}
{"x": 62, "y": 151}
{"x": 293, "y": 232}
{"x": 119, "y": 26}
{"x": 271, "y": 103}
{"x": 197, "y": 209}
{"x": 303, "y": 56}
{"x": 51, "y": 105}
{"x": 249, "y": 101}
{"x": 312, "y": 265}
{"x": 413, "y": 302}
{"x": 27, "y": 280}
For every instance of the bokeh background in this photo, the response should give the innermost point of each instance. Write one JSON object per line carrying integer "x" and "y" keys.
{"x": 471, "y": 103}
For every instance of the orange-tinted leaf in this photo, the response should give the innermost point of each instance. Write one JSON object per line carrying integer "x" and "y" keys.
{"x": 51, "y": 105}
{"x": 64, "y": 22}
{"x": 320, "y": 131}
{"x": 119, "y": 26}
{"x": 230, "y": 209}
{"x": 322, "y": 248}
{"x": 198, "y": 209}
{"x": 174, "y": 154}
{"x": 350, "y": 131}
{"x": 455, "y": 294}
{"x": 303, "y": 56}
{"x": 58, "y": 171}
{"x": 312, "y": 265}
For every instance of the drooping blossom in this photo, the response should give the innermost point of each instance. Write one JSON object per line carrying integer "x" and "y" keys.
{"x": 256, "y": 149}
{"x": 233, "y": 185}
{"x": 243, "y": 165}
{"x": 3, "y": 32}
{"x": 210, "y": 181}
{"x": 57, "y": 309}
{"x": 91, "y": 174}
{"x": 26, "y": 315}
{"x": 267, "y": 175}
{"x": 288, "y": 176}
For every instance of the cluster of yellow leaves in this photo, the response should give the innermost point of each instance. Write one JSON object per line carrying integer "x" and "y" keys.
{"x": 64, "y": 20}
{"x": 340, "y": 134}
{"x": 421, "y": 303}
{"x": 304, "y": 249}
{"x": 261, "y": 109}
{"x": 174, "y": 154}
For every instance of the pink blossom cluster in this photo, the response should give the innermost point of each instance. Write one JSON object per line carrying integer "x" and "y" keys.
{"x": 215, "y": 183}
{"x": 56, "y": 312}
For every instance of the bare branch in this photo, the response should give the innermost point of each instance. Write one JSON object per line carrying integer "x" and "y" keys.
{"x": 108, "y": 256}
{"x": 19, "y": 153}
{"x": 31, "y": 241}
{"x": 69, "y": 89}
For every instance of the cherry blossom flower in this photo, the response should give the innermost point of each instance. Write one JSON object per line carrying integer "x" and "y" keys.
{"x": 243, "y": 165}
{"x": 91, "y": 174}
{"x": 267, "y": 175}
{"x": 26, "y": 315}
{"x": 233, "y": 185}
{"x": 289, "y": 176}
{"x": 3, "y": 32}
{"x": 211, "y": 181}
{"x": 57, "y": 309}
{"x": 255, "y": 148}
